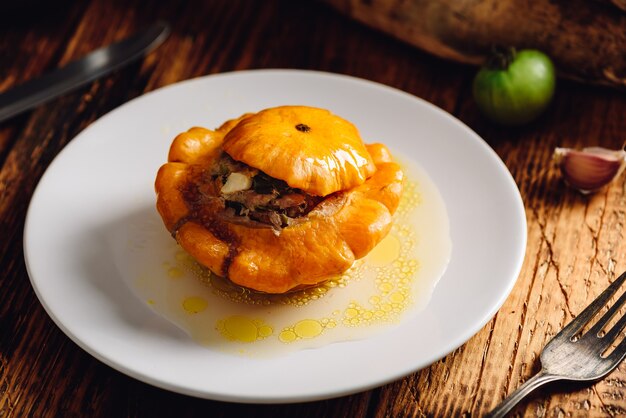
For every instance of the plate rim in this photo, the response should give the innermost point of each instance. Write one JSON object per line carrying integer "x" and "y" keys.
{"x": 147, "y": 378}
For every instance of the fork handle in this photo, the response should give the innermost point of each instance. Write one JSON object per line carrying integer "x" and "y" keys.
{"x": 528, "y": 386}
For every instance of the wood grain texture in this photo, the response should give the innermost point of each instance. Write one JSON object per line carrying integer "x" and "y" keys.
{"x": 586, "y": 39}
{"x": 575, "y": 243}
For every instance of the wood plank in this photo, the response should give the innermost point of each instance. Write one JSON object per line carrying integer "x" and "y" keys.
{"x": 575, "y": 248}
{"x": 585, "y": 39}
{"x": 29, "y": 52}
{"x": 101, "y": 391}
{"x": 575, "y": 243}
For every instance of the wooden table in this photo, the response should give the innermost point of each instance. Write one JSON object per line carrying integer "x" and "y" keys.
{"x": 575, "y": 248}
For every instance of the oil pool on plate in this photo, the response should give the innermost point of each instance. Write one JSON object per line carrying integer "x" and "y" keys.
{"x": 395, "y": 280}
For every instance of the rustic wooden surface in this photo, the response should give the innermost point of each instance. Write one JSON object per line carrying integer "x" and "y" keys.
{"x": 575, "y": 242}
{"x": 585, "y": 39}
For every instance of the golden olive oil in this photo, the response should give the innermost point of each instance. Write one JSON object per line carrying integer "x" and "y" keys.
{"x": 394, "y": 281}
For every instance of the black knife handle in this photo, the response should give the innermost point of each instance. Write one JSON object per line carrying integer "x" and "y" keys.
{"x": 80, "y": 72}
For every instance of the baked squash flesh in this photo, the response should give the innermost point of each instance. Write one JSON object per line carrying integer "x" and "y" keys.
{"x": 278, "y": 200}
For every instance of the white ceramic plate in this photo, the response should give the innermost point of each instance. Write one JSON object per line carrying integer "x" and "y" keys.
{"x": 104, "y": 178}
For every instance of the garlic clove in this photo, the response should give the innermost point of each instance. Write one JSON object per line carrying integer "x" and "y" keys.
{"x": 590, "y": 169}
{"x": 236, "y": 182}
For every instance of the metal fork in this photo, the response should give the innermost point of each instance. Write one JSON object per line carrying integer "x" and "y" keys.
{"x": 571, "y": 356}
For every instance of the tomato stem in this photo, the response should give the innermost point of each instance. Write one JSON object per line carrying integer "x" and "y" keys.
{"x": 501, "y": 57}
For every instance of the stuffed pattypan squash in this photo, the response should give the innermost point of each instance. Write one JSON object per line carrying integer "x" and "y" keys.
{"x": 280, "y": 199}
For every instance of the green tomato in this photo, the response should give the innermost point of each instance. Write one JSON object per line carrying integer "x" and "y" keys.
{"x": 515, "y": 87}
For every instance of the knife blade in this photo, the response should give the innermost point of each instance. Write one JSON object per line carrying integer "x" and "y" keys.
{"x": 82, "y": 71}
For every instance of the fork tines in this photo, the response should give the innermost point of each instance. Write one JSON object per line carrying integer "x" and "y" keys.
{"x": 574, "y": 327}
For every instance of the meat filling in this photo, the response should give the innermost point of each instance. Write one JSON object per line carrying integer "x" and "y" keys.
{"x": 251, "y": 195}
